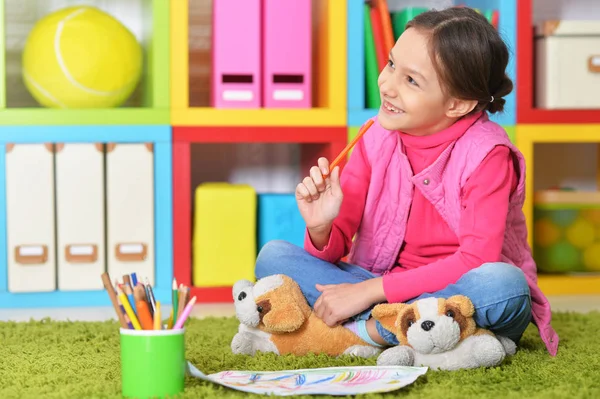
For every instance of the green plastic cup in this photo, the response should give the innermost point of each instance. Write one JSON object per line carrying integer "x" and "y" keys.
{"x": 152, "y": 363}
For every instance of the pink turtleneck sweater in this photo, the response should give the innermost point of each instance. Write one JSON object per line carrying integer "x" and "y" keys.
{"x": 432, "y": 256}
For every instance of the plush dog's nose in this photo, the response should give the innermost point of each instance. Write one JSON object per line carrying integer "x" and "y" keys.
{"x": 427, "y": 325}
{"x": 241, "y": 296}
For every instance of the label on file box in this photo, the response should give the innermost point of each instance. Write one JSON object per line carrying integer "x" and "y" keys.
{"x": 131, "y": 251}
{"x": 31, "y": 254}
{"x": 288, "y": 95}
{"x": 237, "y": 95}
{"x": 81, "y": 253}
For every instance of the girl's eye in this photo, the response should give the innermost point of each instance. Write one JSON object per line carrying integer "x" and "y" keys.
{"x": 390, "y": 64}
{"x": 411, "y": 81}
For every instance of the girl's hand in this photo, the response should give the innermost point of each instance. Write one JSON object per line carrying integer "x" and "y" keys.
{"x": 339, "y": 302}
{"x": 319, "y": 200}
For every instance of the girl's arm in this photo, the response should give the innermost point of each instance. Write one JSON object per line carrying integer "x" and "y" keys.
{"x": 480, "y": 234}
{"x": 334, "y": 243}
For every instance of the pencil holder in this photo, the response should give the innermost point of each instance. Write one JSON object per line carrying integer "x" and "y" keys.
{"x": 152, "y": 363}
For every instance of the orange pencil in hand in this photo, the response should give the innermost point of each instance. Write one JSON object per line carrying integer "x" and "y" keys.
{"x": 345, "y": 151}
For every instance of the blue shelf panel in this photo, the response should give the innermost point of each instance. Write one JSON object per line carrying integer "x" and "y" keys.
{"x": 360, "y": 116}
{"x": 357, "y": 115}
{"x": 67, "y": 299}
{"x": 163, "y": 199}
{"x": 85, "y": 134}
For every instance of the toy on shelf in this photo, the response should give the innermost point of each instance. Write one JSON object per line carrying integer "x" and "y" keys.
{"x": 287, "y": 49}
{"x": 567, "y": 64}
{"x": 236, "y": 79}
{"x": 58, "y": 76}
{"x": 567, "y": 231}
{"x": 224, "y": 234}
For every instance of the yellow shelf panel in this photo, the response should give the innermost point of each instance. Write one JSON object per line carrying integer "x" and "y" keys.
{"x": 258, "y": 117}
{"x": 558, "y": 133}
{"x": 569, "y": 284}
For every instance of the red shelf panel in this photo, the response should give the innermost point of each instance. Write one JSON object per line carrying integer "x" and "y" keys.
{"x": 526, "y": 111}
{"x": 212, "y": 294}
{"x": 257, "y": 134}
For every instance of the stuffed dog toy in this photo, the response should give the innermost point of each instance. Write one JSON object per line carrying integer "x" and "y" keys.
{"x": 440, "y": 334}
{"x": 275, "y": 317}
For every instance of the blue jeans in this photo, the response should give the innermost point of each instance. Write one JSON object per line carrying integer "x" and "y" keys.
{"x": 499, "y": 291}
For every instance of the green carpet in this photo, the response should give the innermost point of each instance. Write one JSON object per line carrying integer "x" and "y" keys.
{"x": 81, "y": 360}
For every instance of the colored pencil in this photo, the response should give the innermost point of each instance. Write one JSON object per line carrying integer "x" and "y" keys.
{"x": 175, "y": 298}
{"x": 157, "y": 321}
{"x": 129, "y": 325}
{"x": 134, "y": 279}
{"x": 129, "y": 292}
{"x": 182, "y": 298}
{"x": 345, "y": 151}
{"x": 184, "y": 315}
{"x": 129, "y": 310}
{"x": 127, "y": 280}
{"x": 113, "y": 298}
{"x": 144, "y": 315}
{"x": 151, "y": 295}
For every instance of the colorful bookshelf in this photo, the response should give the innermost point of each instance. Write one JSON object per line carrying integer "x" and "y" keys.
{"x": 329, "y": 49}
{"x": 318, "y": 131}
{"x": 357, "y": 111}
{"x": 148, "y": 105}
{"x": 538, "y": 126}
{"x": 142, "y": 124}
{"x": 527, "y": 111}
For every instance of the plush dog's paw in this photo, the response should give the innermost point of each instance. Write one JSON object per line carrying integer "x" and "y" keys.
{"x": 249, "y": 340}
{"x": 397, "y": 356}
{"x": 509, "y": 346}
{"x": 487, "y": 350}
{"x": 362, "y": 351}
{"x": 241, "y": 344}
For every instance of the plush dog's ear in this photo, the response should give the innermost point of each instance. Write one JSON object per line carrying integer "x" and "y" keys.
{"x": 463, "y": 303}
{"x": 388, "y": 313}
{"x": 286, "y": 317}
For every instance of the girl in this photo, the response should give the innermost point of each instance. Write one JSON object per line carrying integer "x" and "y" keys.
{"x": 432, "y": 194}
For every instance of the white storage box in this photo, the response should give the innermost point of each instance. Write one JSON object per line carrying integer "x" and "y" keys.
{"x": 568, "y": 65}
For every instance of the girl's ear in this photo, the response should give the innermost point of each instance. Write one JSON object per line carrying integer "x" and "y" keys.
{"x": 459, "y": 108}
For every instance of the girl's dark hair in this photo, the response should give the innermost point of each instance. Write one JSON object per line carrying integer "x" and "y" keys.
{"x": 468, "y": 54}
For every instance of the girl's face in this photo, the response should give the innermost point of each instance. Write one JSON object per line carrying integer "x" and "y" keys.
{"x": 412, "y": 99}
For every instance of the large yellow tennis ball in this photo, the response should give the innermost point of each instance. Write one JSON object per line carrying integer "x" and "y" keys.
{"x": 81, "y": 57}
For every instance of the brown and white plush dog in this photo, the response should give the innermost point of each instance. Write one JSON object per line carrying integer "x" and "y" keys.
{"x": 440, "y": 334}
{"x": 275, "y": 317}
